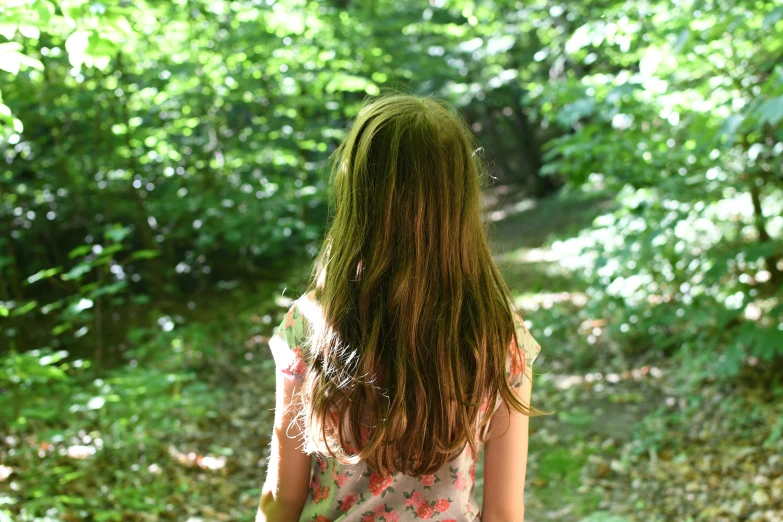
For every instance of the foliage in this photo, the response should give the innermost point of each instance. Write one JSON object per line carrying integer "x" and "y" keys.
{"x": 682, "y": 125}
{"x": 148, "y": 438}
{"x": 602, "y": 516}
{"x": 161, "y": 155}
{"x": 75, "y": 424}
{"x": 201, "y": 128}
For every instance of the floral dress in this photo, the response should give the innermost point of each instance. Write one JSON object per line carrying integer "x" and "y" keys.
{"x": 356, "y": 493}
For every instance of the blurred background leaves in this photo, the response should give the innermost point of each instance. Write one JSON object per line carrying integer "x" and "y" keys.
{"x": 163, "y": 192}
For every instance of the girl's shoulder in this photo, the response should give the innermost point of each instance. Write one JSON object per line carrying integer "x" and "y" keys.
{"x": 288, "y": 341}
{"x": 526, "y": 339}
{"x": 300, "y": 312}
{"x": 522, "y": 355}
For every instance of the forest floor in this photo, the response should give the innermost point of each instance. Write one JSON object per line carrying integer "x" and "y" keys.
{"x": 624, "y": 443}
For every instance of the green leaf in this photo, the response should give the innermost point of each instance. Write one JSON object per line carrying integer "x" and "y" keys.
{"x": 79, "y": 306}
{"x": 52, "y": 358}
{"x": 351, "y": 83}
{"x": 45, "y": 11}
{"x": 772, "y": 111}
{"x": 77, "y": 272}
{"x": 141, "y": 299}
{"x": 729, "y": 128}
{"x": 767, "y": 343}
{"x": 43, "y": 274}
{"x": 619, "y": 92}
{"x": 110, "y": 250}
{"x": 758, "y": 250}
{"x": 577, "y": 110}
{"x": 117, "y": 233}
{"x": 60, "y": 328}
{"x": 45, "y": 309}
{"x": 79, "y": 251}
{"x": 775, "y": 434}
{"x": 98, "y": 46}
{"x": 682, "y": 39}
{"x": 145, "y": 254}
{"x": 111, "y": 289}
{"x": 773, "y": 17}
{"x": 71, "y": 500}
{"x": 11, "y": 59}
{"x": 10, "y": 47}
{"x": 24, "y": 309}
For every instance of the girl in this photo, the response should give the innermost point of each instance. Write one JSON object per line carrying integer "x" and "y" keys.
{"x": 405, "y": 355}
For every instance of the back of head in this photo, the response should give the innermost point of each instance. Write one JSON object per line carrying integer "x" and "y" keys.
{"x": 415, "y": 320}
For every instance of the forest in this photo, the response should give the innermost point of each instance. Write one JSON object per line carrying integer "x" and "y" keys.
{"x": 164, "y": 191}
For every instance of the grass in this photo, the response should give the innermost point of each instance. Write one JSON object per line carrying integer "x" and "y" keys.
{"x": 177, "y": 432}
{"x": 182, "y": 426}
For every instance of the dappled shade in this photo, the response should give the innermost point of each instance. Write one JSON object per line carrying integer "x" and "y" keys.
{"x": 163, "y": 190}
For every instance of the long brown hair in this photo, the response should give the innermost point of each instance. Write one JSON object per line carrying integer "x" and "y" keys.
{"x": 414, "y": 319}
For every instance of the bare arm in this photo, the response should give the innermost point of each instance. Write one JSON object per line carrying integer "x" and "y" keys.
{"x": 505, "y": 461}
{"x": 288, "y": 476}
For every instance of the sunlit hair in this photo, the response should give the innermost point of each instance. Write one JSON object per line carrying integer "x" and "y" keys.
{"x": 413, "y": 320}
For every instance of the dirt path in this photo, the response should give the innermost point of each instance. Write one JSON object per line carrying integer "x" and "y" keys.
{"x": 589, "y": 461}
{"x": 625, "y": 443}
{"x": 622, "y": 444}
{"x": 594, "y": 413}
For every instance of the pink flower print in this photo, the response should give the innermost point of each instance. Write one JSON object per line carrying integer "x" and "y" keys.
{"x": 368, "y": 518}
{"x": 289, "y": 318}
{"x": 518, "y": 359}
{"x": 320, "y": 494}
{"x": 348, "y": 501}
{"x": 342, "y": 480}
{"x": 428, "y": 480}
{"x": 322, "y": 464}
{"x": 378, "y": 484}
{"x": 472, "y": 472}
{"x": 442, "y": 505}
{"x": 392, "y": 516}
{"x": 321, "y": 518}
{"x": 425, "y": 511}
{"x": 380, "y": 509}
{"x": 409, "y": 502}
{"x": 418, "y": 499}
{"x": 461, "y": 484}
